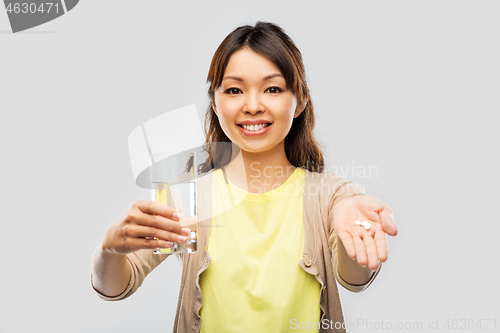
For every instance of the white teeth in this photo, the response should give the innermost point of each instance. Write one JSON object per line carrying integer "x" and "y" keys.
{"x": 254, "y": 127}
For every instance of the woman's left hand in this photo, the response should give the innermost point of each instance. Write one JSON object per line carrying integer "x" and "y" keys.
{"x": 368, "y": 246}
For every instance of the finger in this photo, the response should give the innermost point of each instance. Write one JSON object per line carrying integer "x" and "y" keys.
{"x": 348, "y": 243}
{"x": 146, "y": 243}
{"x": 371, "y": 252}
{"x": 387, "y": 220}
{"x": 360, "y": 251}
{"x": 161, "y": 223}
{"x": 156, "y": 221}
{"x": 381, "y": 243}
{"x": 140, "y": 231}
{"x": 157, "y": 208}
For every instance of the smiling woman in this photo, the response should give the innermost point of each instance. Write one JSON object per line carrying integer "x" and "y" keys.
{"x": 254, "y": 107}
{"x": 286, "y": 229}
{"x": 258, "y": 68}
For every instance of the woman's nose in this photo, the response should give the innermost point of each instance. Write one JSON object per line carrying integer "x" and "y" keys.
{"x": 253, "y": 103}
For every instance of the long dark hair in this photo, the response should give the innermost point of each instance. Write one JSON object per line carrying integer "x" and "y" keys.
{"x": 269, "y": 40}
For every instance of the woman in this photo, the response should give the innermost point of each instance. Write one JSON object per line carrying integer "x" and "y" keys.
{"x": 272, "y": 266}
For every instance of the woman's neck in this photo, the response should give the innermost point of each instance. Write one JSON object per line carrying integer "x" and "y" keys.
{"x": 259, "y": 172}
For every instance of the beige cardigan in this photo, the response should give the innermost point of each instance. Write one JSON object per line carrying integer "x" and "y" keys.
{"x": 321, "y": 192}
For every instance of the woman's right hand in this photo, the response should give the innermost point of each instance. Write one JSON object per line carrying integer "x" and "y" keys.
{"x": 148, "y": 225}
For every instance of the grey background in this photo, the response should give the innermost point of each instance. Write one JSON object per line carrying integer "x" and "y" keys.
{"x": 410, "y": 87}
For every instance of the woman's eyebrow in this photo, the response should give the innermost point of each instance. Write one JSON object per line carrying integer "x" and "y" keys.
{"x": 237, "y": 78}
{"x": 269, "y": 77}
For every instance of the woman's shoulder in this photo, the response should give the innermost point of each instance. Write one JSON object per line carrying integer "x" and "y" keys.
{"x": 325, "y": 176}
{"x": 208, "y": 173}
{"x": 327, "y": 184}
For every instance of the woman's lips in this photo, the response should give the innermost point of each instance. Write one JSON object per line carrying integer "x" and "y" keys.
{"x": 254, "y": 133}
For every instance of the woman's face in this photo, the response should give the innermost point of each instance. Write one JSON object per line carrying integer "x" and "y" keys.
{"x": 254, "y": 89}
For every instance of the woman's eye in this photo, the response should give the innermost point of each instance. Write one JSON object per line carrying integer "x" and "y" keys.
{"x": 232, "y": 91}
{"x": 274, "y": 90}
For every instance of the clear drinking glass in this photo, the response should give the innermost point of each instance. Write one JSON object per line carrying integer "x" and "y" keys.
{"x": 174, "y": 185}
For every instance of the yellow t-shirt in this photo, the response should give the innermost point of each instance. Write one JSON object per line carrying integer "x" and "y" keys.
{"x": 254, "y": 282}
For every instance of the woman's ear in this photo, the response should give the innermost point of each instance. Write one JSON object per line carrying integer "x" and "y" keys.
{"x": 300, "y": 109}
{"x": 213, "y": 107}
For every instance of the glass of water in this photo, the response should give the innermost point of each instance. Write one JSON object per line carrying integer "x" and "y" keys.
{"x": 174, "y": 184}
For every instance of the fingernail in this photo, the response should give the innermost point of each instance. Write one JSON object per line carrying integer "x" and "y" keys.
{"x": 175, "y": 216}
{"x": 186, "y": 230}
{"x": 181, "y": 239}
{"x": 169, "y": 244}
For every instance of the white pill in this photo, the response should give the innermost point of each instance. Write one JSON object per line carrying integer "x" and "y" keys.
{"x": 357, "y": 222}
{"x": 364, "y": 223}
{"x": 368, "y": 226}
